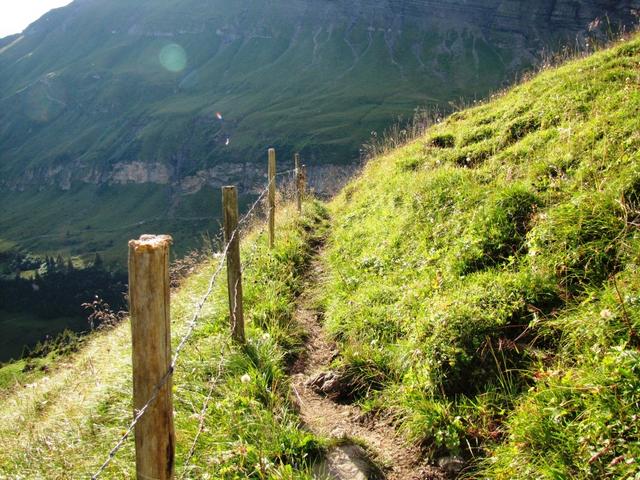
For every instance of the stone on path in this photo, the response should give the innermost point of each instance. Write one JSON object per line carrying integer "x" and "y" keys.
{"x": 347, "y": 462}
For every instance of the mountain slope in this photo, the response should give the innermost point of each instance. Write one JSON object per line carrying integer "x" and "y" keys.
{"x": 60, "y": 416}
{"x": 484, "y": 279}
{"x": 111, "y": 105}
{"x": 482, "y": 289}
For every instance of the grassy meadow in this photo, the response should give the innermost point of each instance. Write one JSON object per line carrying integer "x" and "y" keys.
{"x": 61, "y": 422}
{"x": 484, "y": 278}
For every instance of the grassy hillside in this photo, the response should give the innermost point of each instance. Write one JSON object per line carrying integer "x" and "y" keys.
{"x": 481, "y": 285}
{"x": 88, "y": 88}
{"x": 484, "y": 283}
{"x": 98, "y": 83}
{"x": 108, "y": 108}
{"x": 60, "y": 420}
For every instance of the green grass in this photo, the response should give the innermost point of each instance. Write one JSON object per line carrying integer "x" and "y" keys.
{"x": 273, "y": 83}
{"x": 23, "y": 372}
{"x": 483, "y": 279}
{"x": 63, "y": 424}
{"x": 482, "y": 287}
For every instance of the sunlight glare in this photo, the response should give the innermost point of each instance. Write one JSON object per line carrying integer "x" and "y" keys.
{"x": 173, "y": 57}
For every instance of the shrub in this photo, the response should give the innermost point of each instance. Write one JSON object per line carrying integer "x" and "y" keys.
{"x": 456, "y": 338}
{"x": 363, "y": 370}
{"x": 577, "y": 423}
{"x": 409, "y": 164}
{"x": 631, "y": 200}
{"x": 431, "y": 423}
{"x": 473, "y": 155}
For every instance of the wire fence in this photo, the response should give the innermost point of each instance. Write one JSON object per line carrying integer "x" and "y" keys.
{"x": 190, "y": 330}
{"x": 213, "y": 381}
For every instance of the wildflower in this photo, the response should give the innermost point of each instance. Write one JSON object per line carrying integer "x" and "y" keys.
{"x": 606, "y": 314}
{"x": 264, "y": 464}
{"x": 246, "y": 378}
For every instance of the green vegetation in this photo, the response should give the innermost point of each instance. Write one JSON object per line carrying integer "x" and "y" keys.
{"x": 22, "y": 331}
{"x": 64, "y": 423}
{"x": 84, "y": 93}
{"x": 484, "y": 284}
{"x": 481, "y": 284}
{"x": 35, "y": 363}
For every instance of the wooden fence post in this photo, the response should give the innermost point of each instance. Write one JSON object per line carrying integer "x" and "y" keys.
{"x": 151, "y": 353}
{"x": 272, "y": 196}
{"x": 298, "y": 177}
{"x": 234, "y": 270}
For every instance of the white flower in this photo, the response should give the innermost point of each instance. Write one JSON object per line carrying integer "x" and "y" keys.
{"x": 246, "y": 378}
{"x": 606, "y": 314}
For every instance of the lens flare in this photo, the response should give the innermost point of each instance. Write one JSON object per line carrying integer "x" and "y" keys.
{"x": 173, "y": 57}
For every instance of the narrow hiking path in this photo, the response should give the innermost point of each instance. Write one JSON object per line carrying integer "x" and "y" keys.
{"x": 341, "y": 422}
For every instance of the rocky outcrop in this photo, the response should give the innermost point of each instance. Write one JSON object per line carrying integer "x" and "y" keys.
{"x": 323, "y": 180}
{"x": 138, "y": 172}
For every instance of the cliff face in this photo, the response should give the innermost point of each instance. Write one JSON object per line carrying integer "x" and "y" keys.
{"x": 113, "y": 92}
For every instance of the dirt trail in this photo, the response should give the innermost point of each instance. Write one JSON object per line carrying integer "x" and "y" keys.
{"x": 325, "y": 417}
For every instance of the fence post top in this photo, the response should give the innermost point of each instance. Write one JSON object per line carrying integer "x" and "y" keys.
{"x": 229, "y": 187}
{"x": 151, "y": 242}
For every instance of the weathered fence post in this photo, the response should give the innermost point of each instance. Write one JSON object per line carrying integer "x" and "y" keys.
{"x": 298, "y": 177}
{"x": 234, "y": 271}
{"x": 151, "y": 353}
{"x": 272, "y": 196}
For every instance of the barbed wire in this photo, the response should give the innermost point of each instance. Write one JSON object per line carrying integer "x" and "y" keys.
{"x": 165, "y": 378}
{"x": 246, "y": 216}
{"x": 213, "y": 381}
{"x": 190, "y": 329}
{"x": 248, "y": 261}
{"x": 286, "y": 172}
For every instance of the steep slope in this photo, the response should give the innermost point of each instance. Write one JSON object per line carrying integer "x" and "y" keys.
{"x": 484, "y": 279}
{"x": 481, "y": 285}
{"x": 60, "y": 421}
{"x": 108, "y": 108}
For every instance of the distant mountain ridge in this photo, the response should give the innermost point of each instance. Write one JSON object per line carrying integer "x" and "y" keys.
{"x": 106, "y": 100}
